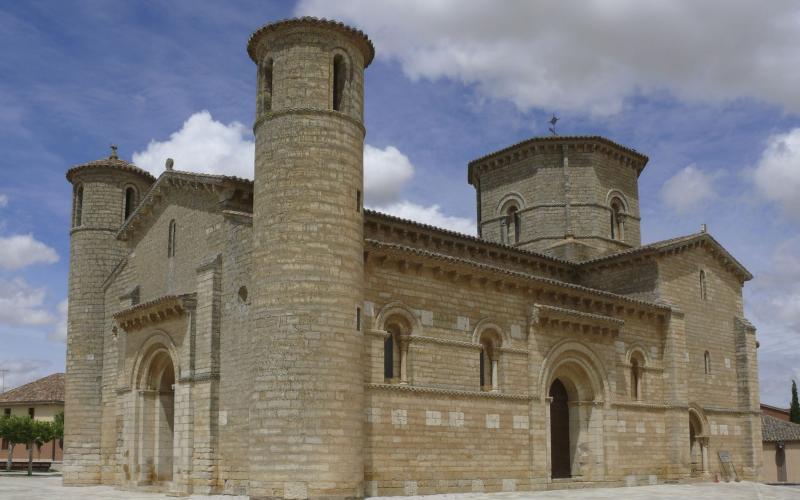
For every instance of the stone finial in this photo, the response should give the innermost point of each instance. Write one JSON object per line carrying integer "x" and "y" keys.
{"x": 703, "y": 228}
{"x": 113, "y": 152}
{"x": 169, "y": 164}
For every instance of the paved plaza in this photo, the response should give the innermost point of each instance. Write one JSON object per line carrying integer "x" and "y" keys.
{"x": 48, "y": 488}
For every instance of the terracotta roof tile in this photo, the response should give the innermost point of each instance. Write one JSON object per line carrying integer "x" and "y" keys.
{"x": 775, "y": 429}
{"x": 47, "y": 389}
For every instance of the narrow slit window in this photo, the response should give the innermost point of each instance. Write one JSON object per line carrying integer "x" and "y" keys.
{"x": 339, "y": 74}
{"x": 707, "y": 363}
{"x": 358, "y": 200}
{"x": 171, "y": 239}
{"x": 358, "y": 319}
{"x": 78, "y": 205}
{"x": 130, "y": 201}
{"x": 703, "y": 291}
{"x": 265, "y": 94}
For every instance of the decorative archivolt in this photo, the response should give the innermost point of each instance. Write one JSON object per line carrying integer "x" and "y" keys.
{"x": 513, "y": 198}
{"x": 616, "y": 193}
{"x": 488, "y": 327}
{"x": 394, "y": 310}
{"x": 156, "y": 343}
{"x": 583, "y": 368}
{"x": 696, "y": 411}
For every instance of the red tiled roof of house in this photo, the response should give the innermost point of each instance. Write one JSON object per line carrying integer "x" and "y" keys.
{"x": 49, "y": 389}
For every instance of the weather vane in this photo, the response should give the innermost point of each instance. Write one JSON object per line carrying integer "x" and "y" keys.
{"x": 553, "y": 122}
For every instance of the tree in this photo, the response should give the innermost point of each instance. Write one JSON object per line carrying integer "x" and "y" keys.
{"x": 16, "y": 430}
{"x": 794, "y": 409}
{"x": 41, "y": 432}
{"x": 58, "y": 432}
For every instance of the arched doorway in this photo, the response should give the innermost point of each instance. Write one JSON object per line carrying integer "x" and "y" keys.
{"x": 156, "y": 419}
{"x": 559, "y": 431}
{"x": 573, "y": 383}
{"x": 698, "y": 449}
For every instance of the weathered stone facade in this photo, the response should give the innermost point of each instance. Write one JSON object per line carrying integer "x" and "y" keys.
{"x": 272, "y": 338}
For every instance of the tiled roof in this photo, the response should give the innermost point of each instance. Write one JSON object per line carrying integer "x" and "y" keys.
{"x": 369, "y": 48}
{"x": 670, "y": 244}
{"x": 110, "y": 162}
{"x": 49, "y": 389}
{"x": 775, "y": 429}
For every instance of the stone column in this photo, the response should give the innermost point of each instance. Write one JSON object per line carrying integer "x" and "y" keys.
{"x": 495, "y": 386}
{"x": 749, "y": 401}
{"x": 403, "y": 342}
{"x": 676, "y": 416}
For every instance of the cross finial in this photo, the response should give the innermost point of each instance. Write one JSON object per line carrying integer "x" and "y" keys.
{"x": 553, "y": 122}
{"x": 114, "y": 152}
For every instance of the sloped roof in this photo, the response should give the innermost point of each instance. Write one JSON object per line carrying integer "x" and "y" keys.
{"x": 179, "y": 178}
{"x": 49, "y": 389}
{"x": 670, "y": 245}
{"x": 775, "y": 429}
{"x": 111, "y": 162}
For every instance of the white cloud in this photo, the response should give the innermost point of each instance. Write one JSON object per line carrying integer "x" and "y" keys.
{"x": 773, "y": 304}
{"x": 21, "y": 250}
{"x": 431, "y": 215}
{"x": 588, "y": 55}
{"x": 59, "y": 333}
{"x": 3, "y": 200}
{"x": 22, "y": 371}
{"x": 22, "y": 304}
{"x": 202, "y": 145}
{"x": 688, "y": 189}
{"x": 777, "y": 174}
{"x": 386, "y": 172}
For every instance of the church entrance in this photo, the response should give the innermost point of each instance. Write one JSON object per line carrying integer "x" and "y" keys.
{"x": 559, "y": 431}
{"x": 698, "y": 451}
{"x": 157, "y": 421}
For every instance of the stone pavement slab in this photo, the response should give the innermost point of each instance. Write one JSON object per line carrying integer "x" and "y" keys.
{"x": 49, "y": 488}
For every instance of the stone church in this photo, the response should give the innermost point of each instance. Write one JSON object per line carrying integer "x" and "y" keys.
{"x": 273, "y": 338}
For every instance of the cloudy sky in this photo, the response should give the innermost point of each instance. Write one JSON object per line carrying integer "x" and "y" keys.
{"x": 708, "y": 90}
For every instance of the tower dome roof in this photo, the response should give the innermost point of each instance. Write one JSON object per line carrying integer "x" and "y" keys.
{"x": 358, "y": 36}
{"x": 113, "y": 162}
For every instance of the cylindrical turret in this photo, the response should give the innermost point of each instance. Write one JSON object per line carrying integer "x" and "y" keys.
{"x": 307, "y": 414}
{"x": 104, "y": 192}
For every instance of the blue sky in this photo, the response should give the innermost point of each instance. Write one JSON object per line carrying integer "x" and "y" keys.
{"x": 707, "y": 92}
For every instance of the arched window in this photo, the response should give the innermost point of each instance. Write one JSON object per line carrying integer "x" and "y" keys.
{"x": 635, "y": 382}
{"x": 707, "y": 363}
{"x": 171, "y": 239}
{"x": 513, "y": 223}
{"x": 78, "y": 212}
{"x": 339, "y": 76}
{"x": 265, "y": 86}
{"x": 489, "y": 358}
{"x": 703, "y": 291}
{"x": 130, "y": 201}
{"x": 394, "y": 352}
{"x": 617, "y": 228}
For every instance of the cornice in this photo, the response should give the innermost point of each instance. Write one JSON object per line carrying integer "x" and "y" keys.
{"x": 448, "y": 392}
{"x": 358, "y": 36}
{"x": 537, "y": 145}
{"x": 155, "y": 311}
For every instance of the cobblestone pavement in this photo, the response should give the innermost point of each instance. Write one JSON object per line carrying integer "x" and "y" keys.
{"x": 48, "y": 488}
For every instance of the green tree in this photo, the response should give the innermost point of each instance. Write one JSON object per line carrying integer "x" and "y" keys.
{"x": 16, "y": 430}
{"x": 794, "y": 409}
{"x": 41, "y": 432}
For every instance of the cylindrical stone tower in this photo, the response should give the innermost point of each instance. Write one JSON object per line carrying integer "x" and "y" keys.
{"x": 104, "y": 191}
{"x": 306, "y": 415}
